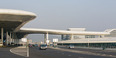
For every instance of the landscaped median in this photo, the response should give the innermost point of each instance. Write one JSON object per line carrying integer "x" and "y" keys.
{"x": 21, "y": 50}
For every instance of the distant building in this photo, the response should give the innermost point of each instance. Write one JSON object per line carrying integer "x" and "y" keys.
{"x": 68, "y": 37}
{"x": 88, "y": 40}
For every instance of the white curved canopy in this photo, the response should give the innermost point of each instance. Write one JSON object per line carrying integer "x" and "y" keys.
{"x": 50, "y": 31}
{"x": 13, "y": 20}
{"x": 16, "y": 12}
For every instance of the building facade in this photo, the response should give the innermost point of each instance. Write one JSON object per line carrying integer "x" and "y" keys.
{"x": 108, "y": 41}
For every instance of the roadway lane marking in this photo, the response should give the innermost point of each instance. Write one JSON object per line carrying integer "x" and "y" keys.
{"x": 83, "y": 52}
{"x": 19, "y": 51}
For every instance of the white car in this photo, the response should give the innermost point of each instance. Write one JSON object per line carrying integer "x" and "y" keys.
{"x": 71, "y": 46}
{"x": 43, "y": 47}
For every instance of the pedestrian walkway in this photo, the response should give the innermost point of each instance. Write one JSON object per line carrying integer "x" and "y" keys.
{"x": 21, "y": 50}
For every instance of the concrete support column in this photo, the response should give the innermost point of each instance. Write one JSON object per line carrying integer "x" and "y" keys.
{"x": 71, "y": 36}
{"x": 15, "y": 40}
{"x": 46, "y": 38}
{"x": 10, "y": 39}
{"x": 62, "y": 37}
{"x": 7, "y": 41}
{"x": 2, "y": 35}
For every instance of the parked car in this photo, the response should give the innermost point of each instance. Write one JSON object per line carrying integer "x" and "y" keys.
{"x": 36, "y": 45}
{"x": 30, "y": 45}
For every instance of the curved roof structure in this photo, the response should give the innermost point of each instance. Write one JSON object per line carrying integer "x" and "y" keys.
{"x": 13, "y": 20}
{"x": 109, "y": 30}
{"x": 16, "y": 12}
{"x": 58, "y": 32}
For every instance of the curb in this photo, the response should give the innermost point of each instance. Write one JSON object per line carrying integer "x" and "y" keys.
{"x": 11, "y": 50}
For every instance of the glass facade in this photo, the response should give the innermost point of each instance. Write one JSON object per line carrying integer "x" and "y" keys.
{"x": 82, "y": 40}
{"x": 97, "y": 45}
{"x": 68, "y": 37}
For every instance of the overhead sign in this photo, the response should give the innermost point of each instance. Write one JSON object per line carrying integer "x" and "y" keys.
{"x": 47, "y": 41}
{"x": 24, "y": 39}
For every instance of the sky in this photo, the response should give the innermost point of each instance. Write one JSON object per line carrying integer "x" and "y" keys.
{"x": 94, "y": 15}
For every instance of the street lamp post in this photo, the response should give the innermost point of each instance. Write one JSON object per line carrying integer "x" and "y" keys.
{"x": 27, "y": 47}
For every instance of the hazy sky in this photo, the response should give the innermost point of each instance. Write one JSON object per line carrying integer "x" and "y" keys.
{"x": 95, "y": 15}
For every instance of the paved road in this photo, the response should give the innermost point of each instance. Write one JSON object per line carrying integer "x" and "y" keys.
{"x": 49, "y": 53}
{"x": 98, "y": 51}
{"x": 52, "y": 53}
{"x": 5, "y": 53}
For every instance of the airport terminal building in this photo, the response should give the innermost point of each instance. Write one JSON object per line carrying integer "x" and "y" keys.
{"x": 11, "y": 31}
{"x": 108, "y": 41}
